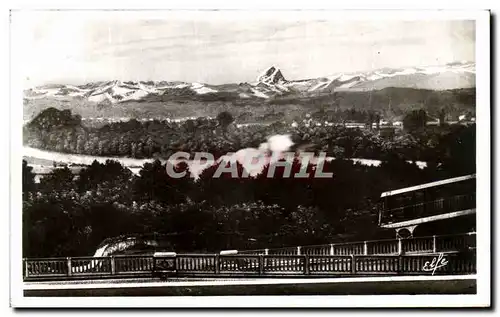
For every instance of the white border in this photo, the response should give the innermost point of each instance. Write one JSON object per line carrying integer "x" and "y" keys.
{"x": 483, "y": 186}
{"x": 239, "y": 281}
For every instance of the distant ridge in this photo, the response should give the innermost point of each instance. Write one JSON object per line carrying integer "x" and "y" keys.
{"x": 271, "y": 83}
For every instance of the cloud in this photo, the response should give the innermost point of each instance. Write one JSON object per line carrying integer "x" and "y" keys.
{"x": 124, "y": 46}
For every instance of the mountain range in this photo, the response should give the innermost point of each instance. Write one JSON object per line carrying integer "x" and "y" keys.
{"x": 270, "y": 95}
{"x": 271, "y": 83}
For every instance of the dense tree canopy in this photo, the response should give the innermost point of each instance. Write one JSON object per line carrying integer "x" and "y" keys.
{"x": 66, "y": 216}
{"x": 161, "y": 139}
{"x": 415, "y": 120}
{"x": 69, "y": 215}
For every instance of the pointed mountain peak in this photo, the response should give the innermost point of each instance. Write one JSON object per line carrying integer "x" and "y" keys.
{"x": 272, "y": 75}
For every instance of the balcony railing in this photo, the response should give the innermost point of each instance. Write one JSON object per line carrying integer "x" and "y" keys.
{"x": 214, "y": 265}
{"x": 430, "y": 208}
{"x": 416, "y": 245}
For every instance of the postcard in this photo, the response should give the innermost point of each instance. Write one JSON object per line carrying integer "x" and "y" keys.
{"x": 250, "y": 158}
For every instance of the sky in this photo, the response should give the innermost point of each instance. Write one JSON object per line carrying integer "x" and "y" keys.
{"x": 71, "y": 47}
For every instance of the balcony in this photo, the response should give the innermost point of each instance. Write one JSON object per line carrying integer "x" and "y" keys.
{"x": 447, "y": 207}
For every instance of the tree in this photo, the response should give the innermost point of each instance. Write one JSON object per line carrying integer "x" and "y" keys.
{"x": 442, "y": 115}
{"x": 155, "y": 184}
{"x": 60, "y": 179}
{"x": 377, "y": 120}
{"x": 337, "y": 99}
{"x": 133, "y": 149}
{"x": 28, "y": 178}
{"x": 80, "y": 144}
{"x": 415, "y": 120}
{"x": 52, "y": 119}
{"x": 371, "y": 118}
{"x": 124, "y": 146}
{"x": 225, "y": 119}
{"x": 459, "y": 148}
{"x": 110, "y": 174}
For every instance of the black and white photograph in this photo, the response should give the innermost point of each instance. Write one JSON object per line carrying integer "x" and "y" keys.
{"x": 196, "y": 156}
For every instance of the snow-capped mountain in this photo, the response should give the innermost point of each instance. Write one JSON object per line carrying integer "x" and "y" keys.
{"x": 114, "y": 91}
{"x": 270, "y": 83}
{"x": 272, "y": 75}
{"x": 449, "y": 76}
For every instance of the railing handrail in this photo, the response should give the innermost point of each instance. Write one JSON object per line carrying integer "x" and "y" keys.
{"x": 395, "y": 255}
{"x": 118, "y": 256}
{"x": 47, "y": 259}
{"x": 308, "y": 265}
{"x": 206, "y": 255}
{"x": 291, "y": 256}
{"x": 360, "y": 242}
{"x": 197, "y": 254}
{"x": 89, "y": 258}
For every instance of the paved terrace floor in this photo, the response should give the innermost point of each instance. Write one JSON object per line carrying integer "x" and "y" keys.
{"x": 461, "y": 284}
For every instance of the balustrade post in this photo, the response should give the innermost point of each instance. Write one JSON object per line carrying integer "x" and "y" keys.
{"x": 154, "y": 265}
{"x": 434, "y": 244}
{"x": 68, "y": 263}
{"x": 298, "y": 250}
{"x": 331, "y": 249}
{"x": 174, "y": 267}
{"x": 353, "y": 264}
{"x": 112, "y": 261}
{"x": 26, "y": 270}
{"x": 365, "y": 248}
{"x": 266, "y": 251}
{"x": 261, "y": 265}
{"x": 400, "y": 246}
{"x": 306, "y": 264}
{"x": 400, "y": 264}
{"x": 217, "y": 264}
